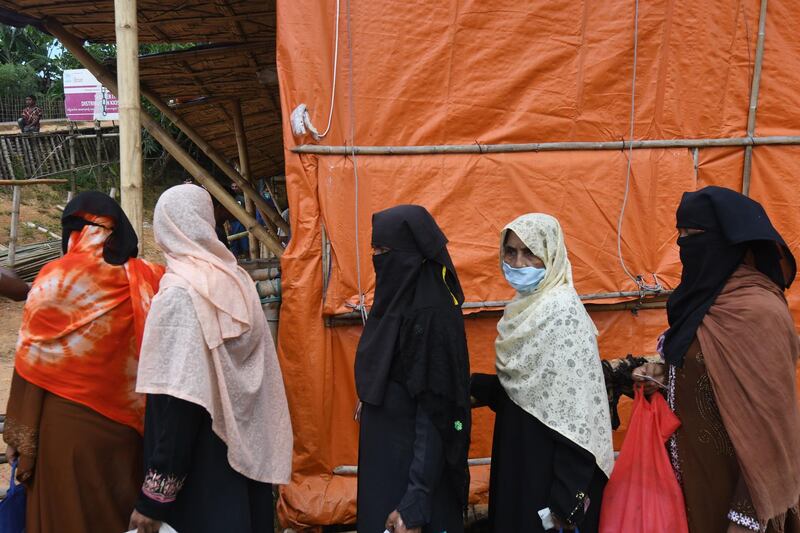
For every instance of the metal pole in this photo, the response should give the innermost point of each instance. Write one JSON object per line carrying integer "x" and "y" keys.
{"x": 130, "y": 129}
{"x": 751, "y": 115}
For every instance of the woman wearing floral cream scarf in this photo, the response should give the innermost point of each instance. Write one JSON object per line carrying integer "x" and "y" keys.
{"x": 552, "y": 451}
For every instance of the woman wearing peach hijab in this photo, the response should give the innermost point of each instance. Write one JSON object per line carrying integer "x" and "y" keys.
{"x": 217, "y": 428}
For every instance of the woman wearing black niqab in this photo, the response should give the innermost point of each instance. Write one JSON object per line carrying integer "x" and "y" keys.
{"x": 731, "y": 352}
{"x": 412, "y": 376}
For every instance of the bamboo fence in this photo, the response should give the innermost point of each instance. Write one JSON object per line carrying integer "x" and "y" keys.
{"x": 11, "y": 107}
{"x": 49, "y": 154}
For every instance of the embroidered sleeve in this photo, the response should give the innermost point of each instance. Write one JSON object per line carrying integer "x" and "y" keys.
{"x": 161, "y": 487}
{"x": 24, "y": 438}
{"x": 171, "y": 429}
{"x": 742, "y": 513}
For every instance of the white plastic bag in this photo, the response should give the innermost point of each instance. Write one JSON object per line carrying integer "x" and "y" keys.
{"x": 165, "y": 528}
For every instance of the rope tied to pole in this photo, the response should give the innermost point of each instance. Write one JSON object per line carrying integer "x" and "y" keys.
{"x": 644, "y": 287}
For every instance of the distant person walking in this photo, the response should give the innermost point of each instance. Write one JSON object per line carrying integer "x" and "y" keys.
{"x": 31, "y": 116}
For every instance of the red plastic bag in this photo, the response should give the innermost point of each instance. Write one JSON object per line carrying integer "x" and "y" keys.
{"x": 643, "y": 494}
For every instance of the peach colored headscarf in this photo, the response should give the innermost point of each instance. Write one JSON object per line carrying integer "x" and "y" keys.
{"x": 206, "y": 340}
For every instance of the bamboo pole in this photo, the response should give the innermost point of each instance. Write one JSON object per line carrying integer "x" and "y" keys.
{"x": 545, "y": 147}
{"x": 130, "y": 129}
{"x": 12, "y": 241}
{"x": 648, "y": 300}
{"x": 22, "y": 183}
{"x": 7, "y": 157}
{"x": 72, "y": 166}
{"x": 751, "y": 114}
{"x": 244, "y": 166}
{"x": 206, "y": 180}
{"x": 43, "y": 230}
{"x": 74, "y": 45}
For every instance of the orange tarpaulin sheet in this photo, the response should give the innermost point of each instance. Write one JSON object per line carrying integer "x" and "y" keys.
{"x": 461, "y": 72}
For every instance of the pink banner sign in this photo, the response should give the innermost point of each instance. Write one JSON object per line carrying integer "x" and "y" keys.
{"x": 85, "y": 99}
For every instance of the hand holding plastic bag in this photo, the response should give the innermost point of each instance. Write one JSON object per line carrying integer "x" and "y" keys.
{"x": 643, "y": 493}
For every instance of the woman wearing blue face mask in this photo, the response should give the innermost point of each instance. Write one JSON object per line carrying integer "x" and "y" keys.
{"x": 552, "y": 451}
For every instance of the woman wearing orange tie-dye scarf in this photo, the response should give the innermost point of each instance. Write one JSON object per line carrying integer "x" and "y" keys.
{"x": 74, "y": 421}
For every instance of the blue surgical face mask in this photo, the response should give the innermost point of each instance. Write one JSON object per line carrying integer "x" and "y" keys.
{"x": 524, "y": 279}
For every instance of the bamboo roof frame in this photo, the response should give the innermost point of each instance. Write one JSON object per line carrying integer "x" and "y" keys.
{"x": 160, "y": 21}
{"x": 239, "y": 50}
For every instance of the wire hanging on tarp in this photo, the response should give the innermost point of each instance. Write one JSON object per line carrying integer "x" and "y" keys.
{"x": 300, "y": 118}
{"x": 638, "y": 279}
{"x": 361, "y": 307}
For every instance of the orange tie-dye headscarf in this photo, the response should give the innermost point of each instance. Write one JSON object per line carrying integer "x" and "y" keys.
{"x": 82, "y": 326}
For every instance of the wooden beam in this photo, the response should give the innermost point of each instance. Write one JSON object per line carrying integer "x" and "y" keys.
{"x": 75, "y": 46}
{"x": 244, "y": 166}
{"x": 130, "y": 128}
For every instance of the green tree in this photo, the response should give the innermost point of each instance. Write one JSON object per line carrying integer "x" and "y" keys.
{"x": 18, "y": 80}
{"x": 31, "y": 48}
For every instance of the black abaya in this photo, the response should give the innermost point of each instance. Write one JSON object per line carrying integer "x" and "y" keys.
{"x": 534, "y": 467}
{"x": 188, "y": 481}
{"x": 401, "y": 466}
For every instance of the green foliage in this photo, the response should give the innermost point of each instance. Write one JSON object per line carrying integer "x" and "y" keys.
{"x": 30, "y": 48}
{"x": 18, "y": 80}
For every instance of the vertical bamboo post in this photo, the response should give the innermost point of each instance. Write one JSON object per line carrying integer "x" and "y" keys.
{"x": 98, "y": 142}
{"x": 72, "y": 165}
{"x": 130, "y": 130}
{"x": 751, "y": 115}
{"x": 12, "y": 241}
{"x": 15, "y": 204}
{"x": 244, "y": 166}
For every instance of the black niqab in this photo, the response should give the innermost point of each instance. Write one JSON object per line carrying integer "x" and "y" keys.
{"x": 732, "y": 225}
{"x": 121, "y": 245}
{"x": 416, "y": 243}
{"x": 415, "y": 331}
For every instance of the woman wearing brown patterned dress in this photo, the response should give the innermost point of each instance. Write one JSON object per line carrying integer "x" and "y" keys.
{"x": 731, "y": 354}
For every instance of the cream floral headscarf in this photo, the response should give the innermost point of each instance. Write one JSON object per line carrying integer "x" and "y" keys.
{"x": 547, "y": 356}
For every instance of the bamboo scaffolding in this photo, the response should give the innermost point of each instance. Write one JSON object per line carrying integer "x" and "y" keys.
{"x": 104, "y": 76}
{"x": 130, "y": 149}
{"x": 244, "y": 166}
{"x": 751, "y": 114}
{"x": 546, "y": 146}
{"x": 75, "y": 46}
